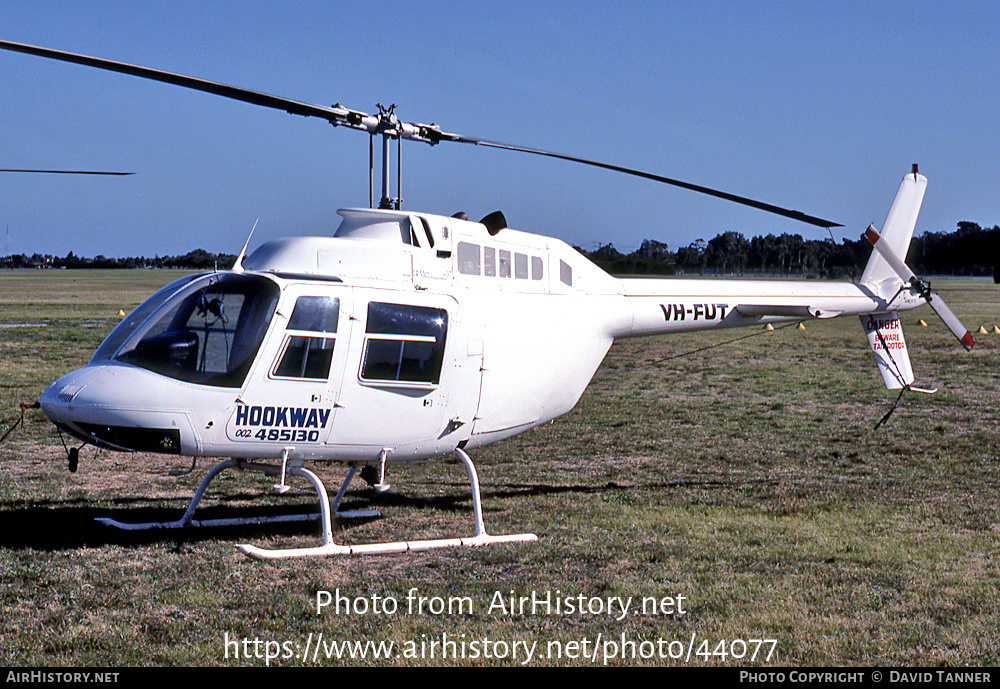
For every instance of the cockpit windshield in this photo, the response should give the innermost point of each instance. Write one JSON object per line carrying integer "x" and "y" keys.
{"x": 207, "y": 331}
{"x": 138, "y": 316}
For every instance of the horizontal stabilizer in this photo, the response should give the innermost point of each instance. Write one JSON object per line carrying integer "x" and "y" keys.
{"x": 784, "y": 311}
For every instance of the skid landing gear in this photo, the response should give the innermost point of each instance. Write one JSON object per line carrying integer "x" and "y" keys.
{"x": 187, "y": 520}
{"x": 328, "y": 509}
{"x": 328, "y": 547}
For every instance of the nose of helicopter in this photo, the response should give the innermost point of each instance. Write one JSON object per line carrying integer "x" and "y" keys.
{"x": 121, "y": 408}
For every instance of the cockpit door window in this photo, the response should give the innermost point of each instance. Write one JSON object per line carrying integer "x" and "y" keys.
{"x": 310, "y": 338}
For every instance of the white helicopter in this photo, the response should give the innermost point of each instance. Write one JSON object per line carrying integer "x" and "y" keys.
{"x": 408, "y": 336}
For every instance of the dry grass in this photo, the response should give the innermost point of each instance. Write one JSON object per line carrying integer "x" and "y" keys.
{"x": 747, "y": 478}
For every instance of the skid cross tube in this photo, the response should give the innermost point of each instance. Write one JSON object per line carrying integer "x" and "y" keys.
{"x": 329, "y": 547}
{"x": 187, "y": 520}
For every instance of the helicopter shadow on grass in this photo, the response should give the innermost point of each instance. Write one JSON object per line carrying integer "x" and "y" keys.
{"x": 71, "y": 524}
{"x": 55, "y": 525}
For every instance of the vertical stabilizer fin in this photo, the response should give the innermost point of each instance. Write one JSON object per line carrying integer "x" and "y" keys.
{"x": 896, "y": 233}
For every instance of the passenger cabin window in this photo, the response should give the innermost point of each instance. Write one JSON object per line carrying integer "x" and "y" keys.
{"x": 404, "y": 344}
{"x": 474, "y": 259}
{"x": 521, "y": 266}
{"x": 504, "y": 263}
{"x": 537, "y": 270}
{"x": 565, "y": 273}
{"x": 489, "y": 261}
{"x": 309, "y": 339}
{"x": 468, "y": 258}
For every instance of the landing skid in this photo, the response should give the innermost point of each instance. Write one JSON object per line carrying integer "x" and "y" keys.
{"x": 187, "y": 520}
{"x": 328, "y": 546}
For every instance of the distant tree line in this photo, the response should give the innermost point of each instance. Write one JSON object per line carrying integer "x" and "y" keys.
{"x": 199, "y": 259}
{"x": 970, "y": 250}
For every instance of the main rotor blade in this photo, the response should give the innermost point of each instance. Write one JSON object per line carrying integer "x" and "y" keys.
{"x": 66, "y": 172}
{"x": 335, "y": 115}
{"x": 795, "y": 215}
{"x": 383, "y": 123}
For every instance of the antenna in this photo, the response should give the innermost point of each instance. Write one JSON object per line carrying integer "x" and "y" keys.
{"x": 238, "y": 264}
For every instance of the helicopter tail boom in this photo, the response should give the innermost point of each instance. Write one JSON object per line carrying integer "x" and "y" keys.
{"x": 887, "y": 287}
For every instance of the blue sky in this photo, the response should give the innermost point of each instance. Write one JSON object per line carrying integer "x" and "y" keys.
{"x": 820, "y": 107}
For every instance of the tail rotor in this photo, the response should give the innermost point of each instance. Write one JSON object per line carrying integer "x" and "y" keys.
{"x": 921, "y": 287}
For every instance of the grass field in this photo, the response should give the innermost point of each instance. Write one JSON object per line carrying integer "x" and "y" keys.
{"x": 744, "y": 489}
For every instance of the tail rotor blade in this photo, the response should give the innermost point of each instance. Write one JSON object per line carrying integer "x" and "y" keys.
{"x": 894, "y": 261}
{"x": 951, "y": 320}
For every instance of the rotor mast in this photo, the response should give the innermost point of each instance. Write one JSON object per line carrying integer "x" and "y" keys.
{"x": 388, "y": 124}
